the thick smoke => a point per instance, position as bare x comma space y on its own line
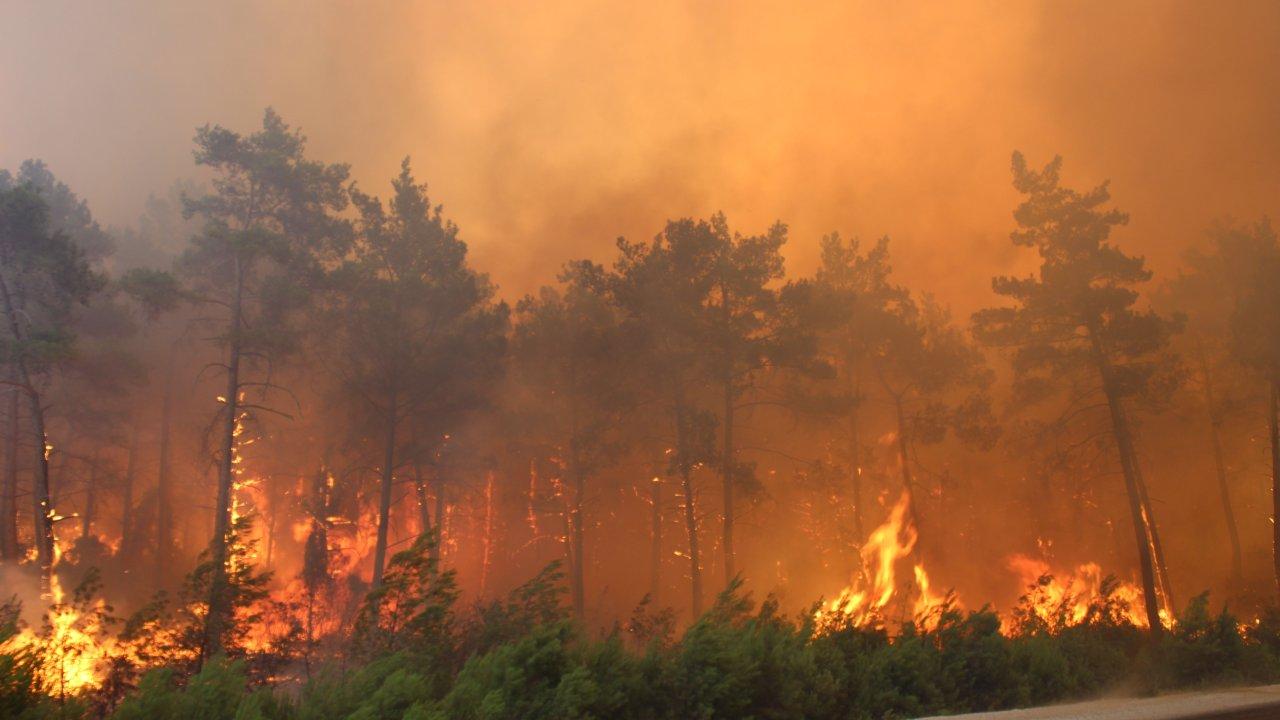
548, 129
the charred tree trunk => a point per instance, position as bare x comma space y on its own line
164, 499
272, 515
219, 597
424, 500
1157, 548
727, 459
1224, 490
90, 500
42, 504
578, 544
727, 473
384, 499
691, 526
1273, 430
684, 464
42, 508
315, 559
9, 495
486, 552
438, 545
855, 453
127, 539
655, 538
904, 459
1128, 466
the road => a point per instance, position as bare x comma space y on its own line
1256, 703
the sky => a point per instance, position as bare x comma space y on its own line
548, 129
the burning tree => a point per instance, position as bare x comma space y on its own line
420, 335
1231, 335
1255, 335
268, 221
1074, 330
570, 351
44, 276
847, 305
663, 288
741, 306
936, 382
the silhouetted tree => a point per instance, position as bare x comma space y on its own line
742, 304
267, 221
849, 306
44, 276
1217, 293
936, 381
663, 287
571, 358
1255, 333
420, 338
1077, 317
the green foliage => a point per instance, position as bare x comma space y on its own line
539, 601
218, 692
412, 610
20, 690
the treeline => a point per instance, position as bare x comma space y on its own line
273, 364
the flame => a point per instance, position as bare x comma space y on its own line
72, 644
1073, 597
865, 600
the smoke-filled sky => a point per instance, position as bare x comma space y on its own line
549, 128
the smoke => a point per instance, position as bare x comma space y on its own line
548, 129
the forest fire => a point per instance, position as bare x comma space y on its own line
725, 368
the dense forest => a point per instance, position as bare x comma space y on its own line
280, 449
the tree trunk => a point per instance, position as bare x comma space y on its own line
1128, 466
855, 454
164, 499
42, 504
655, 539
439, 543
219, 598
727, 473
578, 545
486, 554
1157, 548
9, 496
576, 534
420, 490
384, 500
90, 500
273, 514
1224, 491
908, 482
691, 526
1273, 429
42, 508
727, 467
126, 494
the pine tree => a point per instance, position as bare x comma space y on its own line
420, 337
1074, 325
